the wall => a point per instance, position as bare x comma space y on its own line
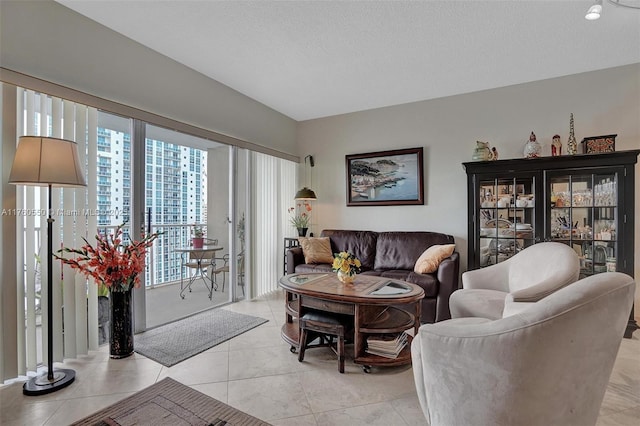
603, 102
46, 40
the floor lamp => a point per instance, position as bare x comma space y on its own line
44, 161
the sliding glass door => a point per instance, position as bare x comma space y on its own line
186, 189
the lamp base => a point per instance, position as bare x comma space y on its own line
41, 385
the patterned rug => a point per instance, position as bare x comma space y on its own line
172, 343
170, 403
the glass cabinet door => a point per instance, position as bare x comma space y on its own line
584, 214
506, 219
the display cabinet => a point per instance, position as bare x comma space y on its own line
584, 201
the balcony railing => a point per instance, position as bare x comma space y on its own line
163, 261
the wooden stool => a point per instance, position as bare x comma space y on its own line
325, 324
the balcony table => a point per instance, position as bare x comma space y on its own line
199, 259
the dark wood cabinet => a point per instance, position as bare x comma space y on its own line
584, 201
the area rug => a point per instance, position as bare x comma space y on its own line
172, 343
170, 403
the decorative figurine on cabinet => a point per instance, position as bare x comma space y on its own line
532, 148
572, 144
556, 146
482, 152
494, 153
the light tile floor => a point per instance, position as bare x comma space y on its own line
256, 373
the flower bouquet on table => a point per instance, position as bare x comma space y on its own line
300, 220
346, 265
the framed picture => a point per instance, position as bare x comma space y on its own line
595, 144
385, 178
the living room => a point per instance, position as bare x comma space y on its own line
602, 99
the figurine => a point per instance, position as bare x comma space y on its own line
572, 144
494, 153
532, 148
556, 146
481, 151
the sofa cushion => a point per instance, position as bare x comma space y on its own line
316, 250
307, 268
431, 258
362, 244
400, 250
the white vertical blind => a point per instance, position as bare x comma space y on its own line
274, 190
92, 222
43, 115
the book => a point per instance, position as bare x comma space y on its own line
386, 345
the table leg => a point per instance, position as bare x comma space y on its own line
358, 343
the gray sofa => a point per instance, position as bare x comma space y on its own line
393, 255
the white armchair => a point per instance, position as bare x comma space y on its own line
547, 365
510, 286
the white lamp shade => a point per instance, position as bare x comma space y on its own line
44, 161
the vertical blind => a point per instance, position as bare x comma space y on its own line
274, 188
74, 211
74, 303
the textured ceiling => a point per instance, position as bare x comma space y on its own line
310, 59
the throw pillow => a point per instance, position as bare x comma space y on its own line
430, 259
316, 250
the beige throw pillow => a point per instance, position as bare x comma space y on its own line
316, 250
430, 259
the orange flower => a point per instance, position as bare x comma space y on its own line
116, 265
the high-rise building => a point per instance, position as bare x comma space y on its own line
175, 193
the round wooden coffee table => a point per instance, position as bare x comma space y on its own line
381, 307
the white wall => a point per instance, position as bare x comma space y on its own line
603, 102
46, 40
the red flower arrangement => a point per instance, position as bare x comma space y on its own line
116, 265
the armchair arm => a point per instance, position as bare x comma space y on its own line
495, 277
294, 258
538, 291
448, 276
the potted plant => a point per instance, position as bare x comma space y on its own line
198, 236
301, 220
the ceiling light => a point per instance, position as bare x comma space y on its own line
594, 11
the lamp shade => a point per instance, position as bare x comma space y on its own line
305, 194
43, 161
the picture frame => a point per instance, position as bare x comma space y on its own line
597, 144
385, 178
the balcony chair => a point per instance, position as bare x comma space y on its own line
220, 266
507, 287
547, 365
224, 269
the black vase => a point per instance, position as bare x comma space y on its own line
302, 232
121, 329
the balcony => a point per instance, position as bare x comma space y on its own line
163, 302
